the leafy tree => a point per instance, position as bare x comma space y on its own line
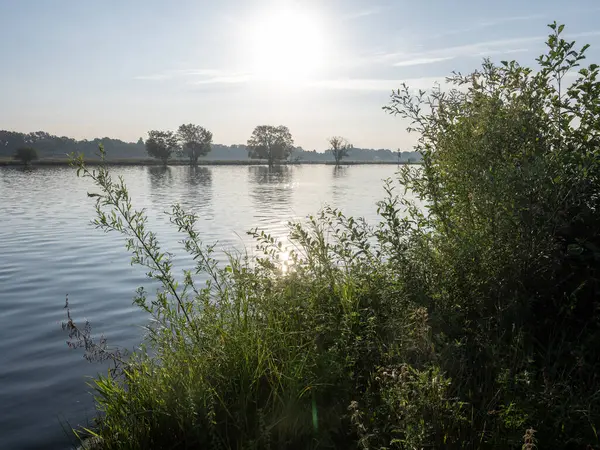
161, 144
339, 148
270, 143
196, 140
26, 154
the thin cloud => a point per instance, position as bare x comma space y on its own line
363, 13
487, 48
505, 46
501, 52
489, 24
499, 46
477, 50
228, 79
198, 76
583, 34
503, 20
422, 61
154, 77
480, 49
358, 84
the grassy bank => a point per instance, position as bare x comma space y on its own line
472, 323
155, 162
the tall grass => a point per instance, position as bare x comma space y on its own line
469, 323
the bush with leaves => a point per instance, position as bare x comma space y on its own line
264, 352
26, 155
507, 256
469, 322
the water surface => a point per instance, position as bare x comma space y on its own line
48, 249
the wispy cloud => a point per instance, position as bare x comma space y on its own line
583, 34
504, 20
363, 13
483, 24
505, 46
223, 79
198, 76
488, 53
421, 61
154, 77
496, 47
361, 84
480, 49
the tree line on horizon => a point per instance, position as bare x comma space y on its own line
47, 145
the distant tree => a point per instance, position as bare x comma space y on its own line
196, 140
140, 142
26, 154
161, 144
270, 143
339, 148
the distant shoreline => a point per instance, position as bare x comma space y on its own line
153, 162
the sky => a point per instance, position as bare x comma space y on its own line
115, 68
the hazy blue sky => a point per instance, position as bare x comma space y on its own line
87, 68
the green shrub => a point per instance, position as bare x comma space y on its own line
469, 322
26, 154
266, 352
506, 260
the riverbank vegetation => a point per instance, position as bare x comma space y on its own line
467, 320
25, 155
55, 148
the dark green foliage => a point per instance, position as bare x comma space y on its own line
26, 154
161, 144
267, 351
507, 259
196, 140
467, 320
270, 143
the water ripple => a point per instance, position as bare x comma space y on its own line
49, 250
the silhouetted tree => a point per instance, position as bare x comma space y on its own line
196, 140
339, 148
161, 144
26, 154
270, 143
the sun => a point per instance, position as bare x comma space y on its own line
286, 45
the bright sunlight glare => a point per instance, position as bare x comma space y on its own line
286, 46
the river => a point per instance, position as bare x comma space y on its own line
48, 249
